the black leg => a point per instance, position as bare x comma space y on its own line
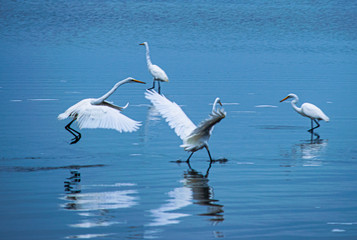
209, 154
318, 125
312, 127
158, 82
188, 159
209, 167
153, 85
73, 132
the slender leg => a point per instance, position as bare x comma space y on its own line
209, 167
318, 125
158, 82
209, 154
312, 127
188, 159
153, 85
72, 131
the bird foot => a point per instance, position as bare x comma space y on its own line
220, 160
75, 140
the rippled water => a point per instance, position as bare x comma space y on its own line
270, 180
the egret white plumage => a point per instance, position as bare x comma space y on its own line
158, 74
98, 113
194, 137
308, 110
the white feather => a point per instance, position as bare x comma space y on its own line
172, 113
99, 116
311, 111
193, 137
158, 73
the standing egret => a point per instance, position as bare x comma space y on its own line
158, 74
98, 113
308, 110
194, 137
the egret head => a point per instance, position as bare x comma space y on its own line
133, 80
218, 100
291, 95
144, 43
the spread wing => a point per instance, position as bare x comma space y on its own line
172, 113
100, 116
206, 126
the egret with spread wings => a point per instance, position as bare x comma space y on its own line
98, 113
308, 110
194, 137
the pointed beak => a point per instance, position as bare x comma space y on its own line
282, 100
141, 44
220, 103
138, 81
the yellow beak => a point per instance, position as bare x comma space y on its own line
138, 81
282, 100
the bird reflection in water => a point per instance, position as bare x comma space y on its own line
195, 190
97, 208
203, 194
310, 151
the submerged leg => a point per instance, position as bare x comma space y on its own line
209, 167
188, 159
209, 154
312, 125
153, 85
73, 132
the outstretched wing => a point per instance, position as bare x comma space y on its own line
206, 126
172, 113
100, 116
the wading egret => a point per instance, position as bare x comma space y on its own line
308, 110
158, 74
98, 113
194, 137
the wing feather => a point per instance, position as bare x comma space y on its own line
172, 113
206, 126
311, 111
100, 116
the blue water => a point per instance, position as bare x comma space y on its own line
271, 180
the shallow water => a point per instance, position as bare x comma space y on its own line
270, 181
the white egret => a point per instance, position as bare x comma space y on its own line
308, 110
194, 137
158, 74
98, 113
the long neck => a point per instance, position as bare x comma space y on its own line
148, 60
293, 104
215, 104
111, 91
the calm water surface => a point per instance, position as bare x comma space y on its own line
270, 181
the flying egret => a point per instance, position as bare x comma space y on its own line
308, 110
194, 137
158, 74
98, 113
